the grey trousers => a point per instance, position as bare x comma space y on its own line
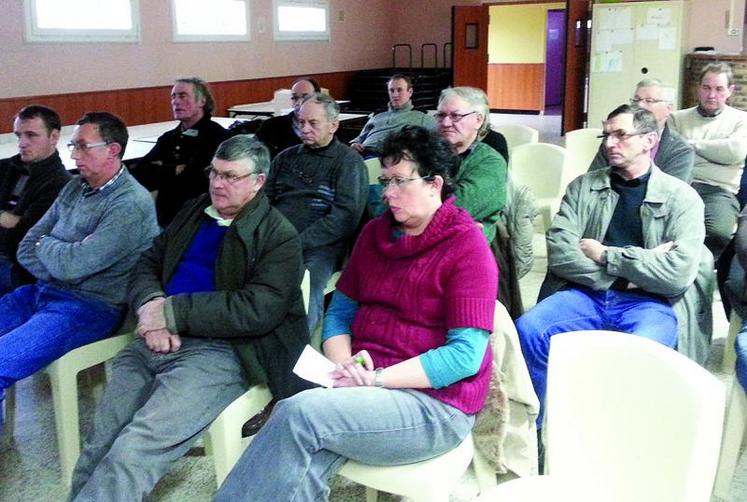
721, 211
152, 411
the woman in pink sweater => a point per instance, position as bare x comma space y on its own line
408, 328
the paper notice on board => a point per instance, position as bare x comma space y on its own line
606, 18
603, 41
623, 18
607, 62
623, 37
667, 39
659, 15
647, 32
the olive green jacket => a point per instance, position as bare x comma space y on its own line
257, 304
671, 211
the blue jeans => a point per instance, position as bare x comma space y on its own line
741, 348
581, 309
311, 434
152, 411
8, 281
40, 323
321, 264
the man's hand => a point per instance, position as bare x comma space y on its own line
180, 169
150, 316
8, 220
357, 147
594, 250
162, 341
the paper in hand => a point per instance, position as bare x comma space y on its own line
314, 367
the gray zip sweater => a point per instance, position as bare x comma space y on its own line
88, 243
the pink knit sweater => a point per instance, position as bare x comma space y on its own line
413, 289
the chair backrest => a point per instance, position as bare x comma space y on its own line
517, 135
540, 167
631, 419
373, 166
582, 146
281, 100
306, 289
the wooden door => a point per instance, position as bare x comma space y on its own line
578, 15
469, 33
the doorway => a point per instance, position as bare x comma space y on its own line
554, 61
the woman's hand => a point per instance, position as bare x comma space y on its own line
355, 371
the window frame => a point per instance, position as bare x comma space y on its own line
33, 33
178, 38
301, 35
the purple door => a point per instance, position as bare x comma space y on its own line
554, 58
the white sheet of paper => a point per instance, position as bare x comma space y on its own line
667, 39
314, 367
647, 32
659, 15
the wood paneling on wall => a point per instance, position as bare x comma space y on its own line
516, 86
152, 104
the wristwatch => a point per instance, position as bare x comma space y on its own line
379, 377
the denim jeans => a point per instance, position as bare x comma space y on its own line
8, 281
40, 323
311, 434
152, 411
321, 264
581, 309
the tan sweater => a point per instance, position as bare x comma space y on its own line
720, 144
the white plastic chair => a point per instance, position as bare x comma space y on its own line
540, 167
432, 480
517, 135
373, 166
582, 146
627, 420
736, 416
281, 100
223, 438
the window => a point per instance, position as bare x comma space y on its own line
82, 21
214, 21
301, 20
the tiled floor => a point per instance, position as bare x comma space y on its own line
29, 468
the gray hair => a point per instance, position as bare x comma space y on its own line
667, 91
331, 108
245, 148
717, 68
202, 90
475, 98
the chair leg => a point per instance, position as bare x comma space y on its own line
372, 494
10, 411
729, 360
64, 382
734, 433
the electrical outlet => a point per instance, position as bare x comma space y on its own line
341, 16
734, 32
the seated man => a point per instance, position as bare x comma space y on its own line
219, 305
29, 183
81, 251
718, 134
321, 187
671, 154
279, 133
623, 249
175, 166
400, 114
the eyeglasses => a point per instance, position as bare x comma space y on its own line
398, 181
648, 101
454, 117
621, 135
228, 178
84, 147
